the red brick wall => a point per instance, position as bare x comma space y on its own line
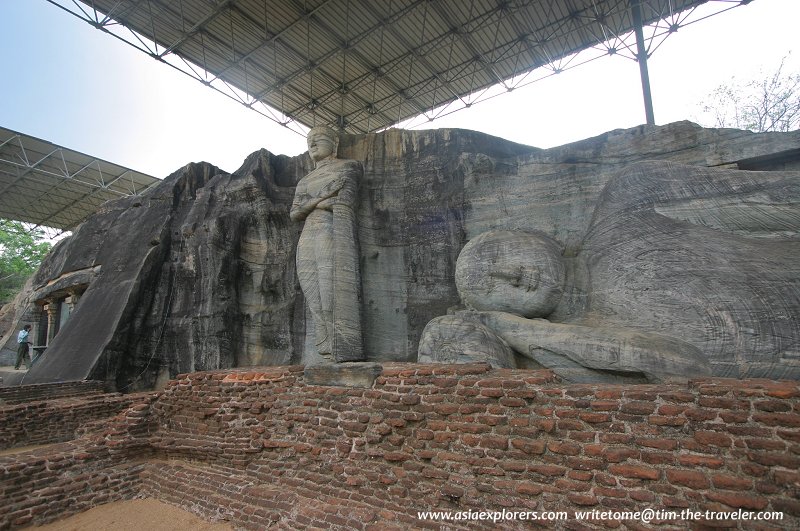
28, 393
464, 438
63, 419
36, 488
262, 447
103, 465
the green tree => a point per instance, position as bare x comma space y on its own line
21, 252
768, 104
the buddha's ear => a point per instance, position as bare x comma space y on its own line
534, 275
336, 145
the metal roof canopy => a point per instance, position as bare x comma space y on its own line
363, 66
52, 186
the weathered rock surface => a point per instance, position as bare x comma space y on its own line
682, 267
345, 374
199, 273
196, 274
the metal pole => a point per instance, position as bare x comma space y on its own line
641, 57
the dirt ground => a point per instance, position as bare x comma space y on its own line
134, 515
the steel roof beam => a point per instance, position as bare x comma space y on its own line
272, 40
641, 56
467, 40
344, 48
414, 54
487, 49
336, 51
200, 26
60, 176
287, 46
48, 184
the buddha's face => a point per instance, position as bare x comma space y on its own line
321, 145
514, 272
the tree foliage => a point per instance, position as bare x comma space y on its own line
768, 104
21, 252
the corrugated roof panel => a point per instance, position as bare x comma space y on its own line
46, 184
403, 56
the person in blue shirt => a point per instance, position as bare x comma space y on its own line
22, 348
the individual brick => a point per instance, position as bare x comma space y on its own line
688, 478
634, 471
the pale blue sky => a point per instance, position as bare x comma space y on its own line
68, 83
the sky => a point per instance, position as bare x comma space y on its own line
75, 86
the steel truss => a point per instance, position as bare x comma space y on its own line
364, 66
51, 186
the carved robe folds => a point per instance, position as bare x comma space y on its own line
327, 256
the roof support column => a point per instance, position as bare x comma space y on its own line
641, 57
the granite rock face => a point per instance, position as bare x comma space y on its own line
196, 274
199, 273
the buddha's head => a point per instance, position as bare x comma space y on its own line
511, 271
323, 143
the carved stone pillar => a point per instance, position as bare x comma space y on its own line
72, 300
52, 319
36, 326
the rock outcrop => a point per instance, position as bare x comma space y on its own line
199, 272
